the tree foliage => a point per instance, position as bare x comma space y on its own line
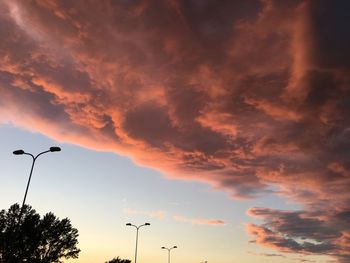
119, 260
26, 237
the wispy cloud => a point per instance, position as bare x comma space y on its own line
154, 214
266, 254
199, 221
300, 259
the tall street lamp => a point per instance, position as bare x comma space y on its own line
137, 234
169, 249
21, 152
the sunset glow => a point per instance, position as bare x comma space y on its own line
229, 119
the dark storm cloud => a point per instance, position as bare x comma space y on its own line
240, 94
299, 231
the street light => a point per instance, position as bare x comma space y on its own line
137, 234
21, 152
169, 249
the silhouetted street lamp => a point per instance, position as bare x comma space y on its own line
137, 234
169, 249
21, 152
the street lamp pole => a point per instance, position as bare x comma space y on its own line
137, 235
169, 249
21, 152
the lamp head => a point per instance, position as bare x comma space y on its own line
162, 247
147, 224
128, 224
18, 152
55, 149
174, 246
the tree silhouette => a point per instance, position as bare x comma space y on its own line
25, 237
119, 260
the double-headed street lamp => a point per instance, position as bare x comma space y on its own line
137, 235
169, 249
21, 152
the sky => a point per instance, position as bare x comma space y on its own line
225, 124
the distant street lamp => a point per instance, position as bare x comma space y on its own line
169, 249
21, 152
137, 234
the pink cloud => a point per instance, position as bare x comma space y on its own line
199, 221
241, 95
